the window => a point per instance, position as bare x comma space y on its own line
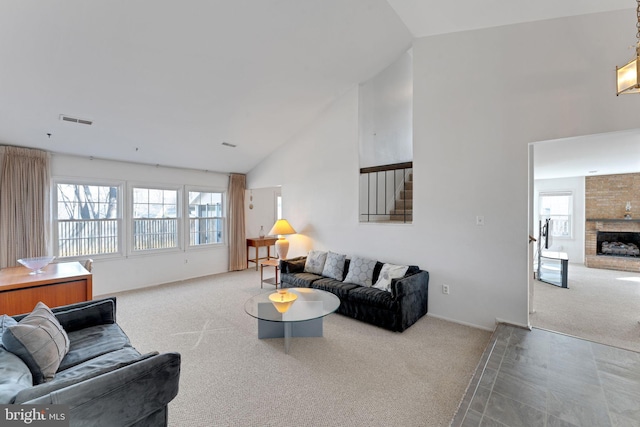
278, 207
155, 219
87, 219
558, 206
205, 218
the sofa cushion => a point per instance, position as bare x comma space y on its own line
315, 262
336, 287
369, 296
299, 280
79, 316
92, 342
14, 376
334, 266
360, 271
40, 341
388, 273
84, 371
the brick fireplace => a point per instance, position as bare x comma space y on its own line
606, 198
593, 253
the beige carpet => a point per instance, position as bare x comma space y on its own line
599, 305
356, 375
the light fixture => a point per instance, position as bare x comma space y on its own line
282, 300
280, 228
628, 76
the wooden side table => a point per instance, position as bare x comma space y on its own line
258, 242
271, 280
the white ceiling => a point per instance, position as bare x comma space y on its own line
431, 17
166, 82
601, 154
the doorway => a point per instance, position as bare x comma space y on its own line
599, 305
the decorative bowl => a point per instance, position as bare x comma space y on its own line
282, 300
36, 264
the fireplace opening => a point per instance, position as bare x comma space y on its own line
622, 244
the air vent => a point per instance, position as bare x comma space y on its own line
65, 118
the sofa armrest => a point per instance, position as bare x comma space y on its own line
292, 265
120, 397
408, 285
412, 294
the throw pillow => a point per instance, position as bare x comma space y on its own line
360, 271
40, 341
334, 266
5, 322
389, 272
315, 262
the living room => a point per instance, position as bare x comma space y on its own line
481, 95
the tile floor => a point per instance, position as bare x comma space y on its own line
542, 378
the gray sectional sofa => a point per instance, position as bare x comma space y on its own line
395, 309
103, 379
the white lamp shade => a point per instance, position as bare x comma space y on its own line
281, 227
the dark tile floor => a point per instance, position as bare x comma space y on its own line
542, 378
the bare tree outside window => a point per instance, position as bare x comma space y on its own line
87, 218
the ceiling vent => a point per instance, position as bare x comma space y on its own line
66, 118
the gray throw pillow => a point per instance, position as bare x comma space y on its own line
360, 271
5, 322
334, 266
315, 262
40, 341
388, 273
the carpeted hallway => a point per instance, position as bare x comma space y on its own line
356, 375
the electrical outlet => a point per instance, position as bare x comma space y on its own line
445, 289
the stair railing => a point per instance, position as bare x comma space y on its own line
380, 187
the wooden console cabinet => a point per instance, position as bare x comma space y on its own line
58, 284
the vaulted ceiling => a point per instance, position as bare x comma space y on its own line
167, 82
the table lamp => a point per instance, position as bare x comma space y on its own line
280, 228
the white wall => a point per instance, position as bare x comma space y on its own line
118, 273
574, 246
263, 214
480, 97
385, 115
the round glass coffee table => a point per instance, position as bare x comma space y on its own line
298, 313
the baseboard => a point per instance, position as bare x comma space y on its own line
472, 325
517, 325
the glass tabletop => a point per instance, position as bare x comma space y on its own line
308, 304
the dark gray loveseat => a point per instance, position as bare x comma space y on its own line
103, 379
395, 310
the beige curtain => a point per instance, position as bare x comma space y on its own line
24, 204
237, 234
